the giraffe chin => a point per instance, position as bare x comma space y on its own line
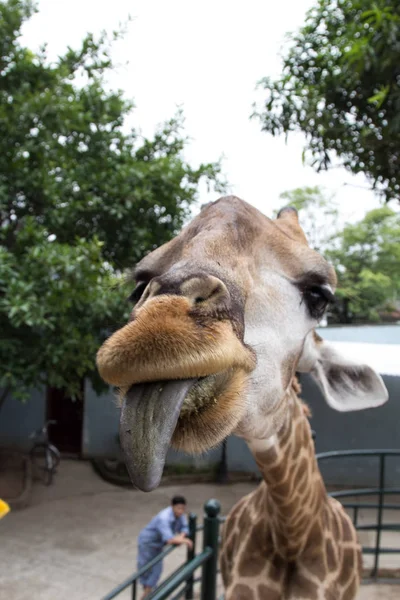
211, 411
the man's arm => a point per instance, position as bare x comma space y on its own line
178, 539
169, 537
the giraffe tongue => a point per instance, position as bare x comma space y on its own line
149, 415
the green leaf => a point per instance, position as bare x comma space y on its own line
380, 97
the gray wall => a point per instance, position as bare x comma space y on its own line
239, 456
100, 424
376, 428
18, 420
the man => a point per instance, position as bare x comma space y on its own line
170, 526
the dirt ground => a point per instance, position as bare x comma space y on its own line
77, 539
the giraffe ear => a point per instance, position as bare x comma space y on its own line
346, 385
288, 221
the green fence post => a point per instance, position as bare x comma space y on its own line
191, 553
210, 540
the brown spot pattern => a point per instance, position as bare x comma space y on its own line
348, 531
293, 504
241, 592
277, 568
331, 556
267, 593
244, 521
253, 558
348, 564
332, 594
303, 587
351, 589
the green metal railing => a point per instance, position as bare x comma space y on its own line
380, 491
207, 559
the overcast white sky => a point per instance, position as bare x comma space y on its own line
206, 57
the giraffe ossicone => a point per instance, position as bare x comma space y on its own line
224, 318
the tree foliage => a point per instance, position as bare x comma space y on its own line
81, 199
340, 85
367, 257
55, 304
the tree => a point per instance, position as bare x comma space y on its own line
317, 214
55, 305
340, 85
81, 199
367, 258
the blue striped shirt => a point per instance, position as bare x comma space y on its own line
162, 528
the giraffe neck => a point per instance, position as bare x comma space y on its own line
294, 494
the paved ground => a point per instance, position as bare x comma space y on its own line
77, 539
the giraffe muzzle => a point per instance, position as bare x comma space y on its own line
149, 415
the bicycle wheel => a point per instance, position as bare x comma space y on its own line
39, 461
56, 456
52, 462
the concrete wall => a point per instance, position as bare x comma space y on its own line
362, 430
239, 456
100, 424
18, 420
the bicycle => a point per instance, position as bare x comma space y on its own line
44, 455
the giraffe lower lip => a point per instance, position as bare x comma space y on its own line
149, 415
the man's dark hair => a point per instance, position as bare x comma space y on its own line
178, 500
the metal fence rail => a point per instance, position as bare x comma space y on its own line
380, 491
170, 584
132, 580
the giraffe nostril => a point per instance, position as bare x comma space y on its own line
204, 290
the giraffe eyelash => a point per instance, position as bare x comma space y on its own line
317, 298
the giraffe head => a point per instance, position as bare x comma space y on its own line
224, 316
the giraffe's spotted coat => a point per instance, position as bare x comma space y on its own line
288, 540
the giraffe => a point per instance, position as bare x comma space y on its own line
307, 547
224, 316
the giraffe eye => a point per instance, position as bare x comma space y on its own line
138, 292
317, 298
